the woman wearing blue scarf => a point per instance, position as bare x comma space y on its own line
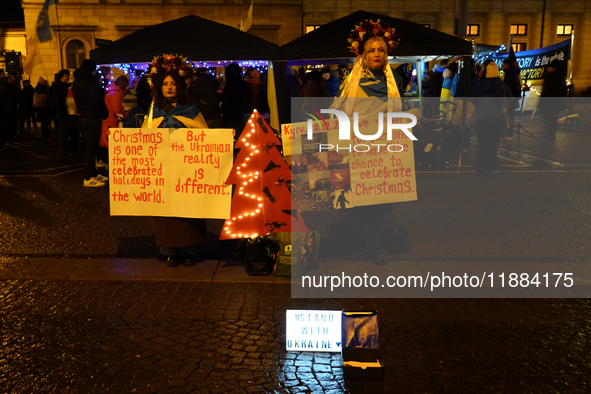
371, 77
181, 240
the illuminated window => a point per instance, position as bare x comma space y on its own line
75, 54
518, 47
473, 30
519, 30
310, 28
564, 30
427, 25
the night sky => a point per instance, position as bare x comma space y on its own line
11, 11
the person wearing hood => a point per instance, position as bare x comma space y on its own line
90, 104
40, 104
490, 119
114, 102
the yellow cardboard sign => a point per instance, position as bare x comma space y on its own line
332, 173
156, 172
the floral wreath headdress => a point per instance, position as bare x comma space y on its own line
359, 35
165, 63
368, 29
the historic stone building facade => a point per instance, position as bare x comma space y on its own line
79, 23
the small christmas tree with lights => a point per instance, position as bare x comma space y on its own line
262, 203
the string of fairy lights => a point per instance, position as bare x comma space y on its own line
215, 68
478, 58
248, 178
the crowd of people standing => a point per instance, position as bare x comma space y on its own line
224, 102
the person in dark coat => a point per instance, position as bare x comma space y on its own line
181, 240
490, 120
235, 99
28, 92
256, 91
57, 104
293, 87
460, 137
8, 108
21, 103
430, 93
554, 87
315, 87
90, 104
203, 93
405, 74
144, 93
40, 104
511, 76
333, 83
438, 77
512, 80
472, 84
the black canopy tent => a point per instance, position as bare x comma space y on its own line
196, 38
329, 43
417, 42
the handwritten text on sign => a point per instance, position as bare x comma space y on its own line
313, 330
154, 172
350, 173
380, 175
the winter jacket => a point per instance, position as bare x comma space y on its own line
255, 89
88, 95
29, 93
448, 77
472, 89
114, 103
438, 78
4, 95
430, 88
57, 97
332, 85
314, 88
554, 85
236, 95
40, 95
491, 101
511, 79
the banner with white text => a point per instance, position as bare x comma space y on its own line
533, 63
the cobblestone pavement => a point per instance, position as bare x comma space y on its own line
165, 337
207, 336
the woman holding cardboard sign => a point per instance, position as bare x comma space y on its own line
181, 240
371, 76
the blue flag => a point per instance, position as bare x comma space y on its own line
43, 29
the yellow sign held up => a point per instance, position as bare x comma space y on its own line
153, 172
